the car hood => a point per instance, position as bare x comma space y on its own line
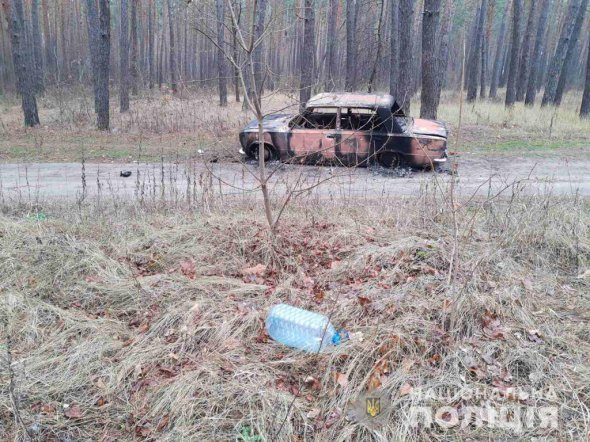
429, 127
274, 122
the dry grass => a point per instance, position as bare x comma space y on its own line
104, 315
161, 124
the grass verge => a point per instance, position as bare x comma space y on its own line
147, 323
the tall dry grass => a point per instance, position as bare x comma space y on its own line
139, 321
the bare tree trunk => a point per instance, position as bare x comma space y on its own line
394, 49
23, 64
484, 60
523, 71
350, 45
379, 45
569, 56
585, 107
171, 45
124, 57
331, 36
536, 60
150, 54
49, 42
134, 70
220, 55
429, 60
237, 7
259, 74
475, 54
514, 53
99, 40
406, 19
37, 47
558, 59
443, 59
308, 61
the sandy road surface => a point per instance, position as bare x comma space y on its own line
477, 174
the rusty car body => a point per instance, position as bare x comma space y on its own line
349, 129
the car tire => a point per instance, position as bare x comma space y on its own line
268, 152
390, 160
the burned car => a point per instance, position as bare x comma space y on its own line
349, 129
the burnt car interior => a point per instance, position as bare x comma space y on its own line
338, 118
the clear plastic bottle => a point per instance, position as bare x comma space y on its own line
302, 329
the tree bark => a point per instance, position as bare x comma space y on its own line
37, 47
474, 64
379, 45
569, 56
150, 50
50, 60
429, 60
124, 57
443, 59
172, 49
134, 68
331, 37
23, 64
99, 40
350, 45
258, 55
308, 60
406, 15
523, 71
531, 91
514, 53
585, 107
237, 5
394, 49
558, 59
220, 55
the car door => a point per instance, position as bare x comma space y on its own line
361, 132
312, 140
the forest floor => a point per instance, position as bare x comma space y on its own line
141, 321
160, 125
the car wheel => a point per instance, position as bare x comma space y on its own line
391, 160
268, 152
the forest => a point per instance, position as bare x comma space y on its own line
513, 51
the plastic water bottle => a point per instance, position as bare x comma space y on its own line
302, 329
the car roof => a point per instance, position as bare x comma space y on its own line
350, 99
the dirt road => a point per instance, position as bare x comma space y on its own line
477, 174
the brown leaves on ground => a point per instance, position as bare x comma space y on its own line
341, 379
73, 411
188, 269
254, 274
492, 328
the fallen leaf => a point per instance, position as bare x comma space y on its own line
405, 389
188, 269
374, 382
363, 300
163, 422
313, 413
257, 270
73, 411
342, 380
93, 279
47, 409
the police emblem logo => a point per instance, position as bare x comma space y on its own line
373, 406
